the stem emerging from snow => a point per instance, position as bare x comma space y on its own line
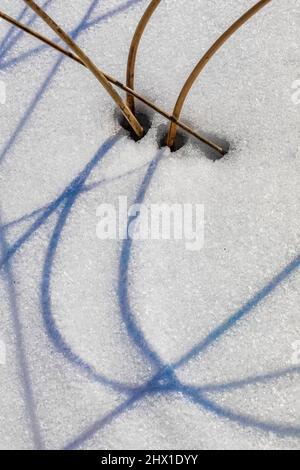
117, 83
204, 61
137, 128
134, 49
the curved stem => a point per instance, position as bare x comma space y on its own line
204, 61
134, 49
90, 65
118, 84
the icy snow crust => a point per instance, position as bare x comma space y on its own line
146, 345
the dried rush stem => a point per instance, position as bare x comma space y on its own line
137, 128
204, 61
117, 83
134, 49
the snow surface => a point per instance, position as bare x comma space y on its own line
114, 346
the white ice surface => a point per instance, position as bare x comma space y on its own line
240, 391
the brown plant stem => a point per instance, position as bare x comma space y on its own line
130, 80
204, 61
112, 80
137, 128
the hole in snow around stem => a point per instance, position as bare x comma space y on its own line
143, 119
182, 138
162, 134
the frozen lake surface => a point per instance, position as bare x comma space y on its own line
130, 344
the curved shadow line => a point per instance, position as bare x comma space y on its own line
24, 374
36, 50
38, 96
19, 34
208, 401
247, 308
85, 189
13, 249
237, 384
45, 295
68, 198
26, 217
105, 421
8, 35
282, 276
152, 387
22, 57
123, 295
24, 119
53, 206
243, 420
46, 211
117, 10
86, 60
65, 194
191, 393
